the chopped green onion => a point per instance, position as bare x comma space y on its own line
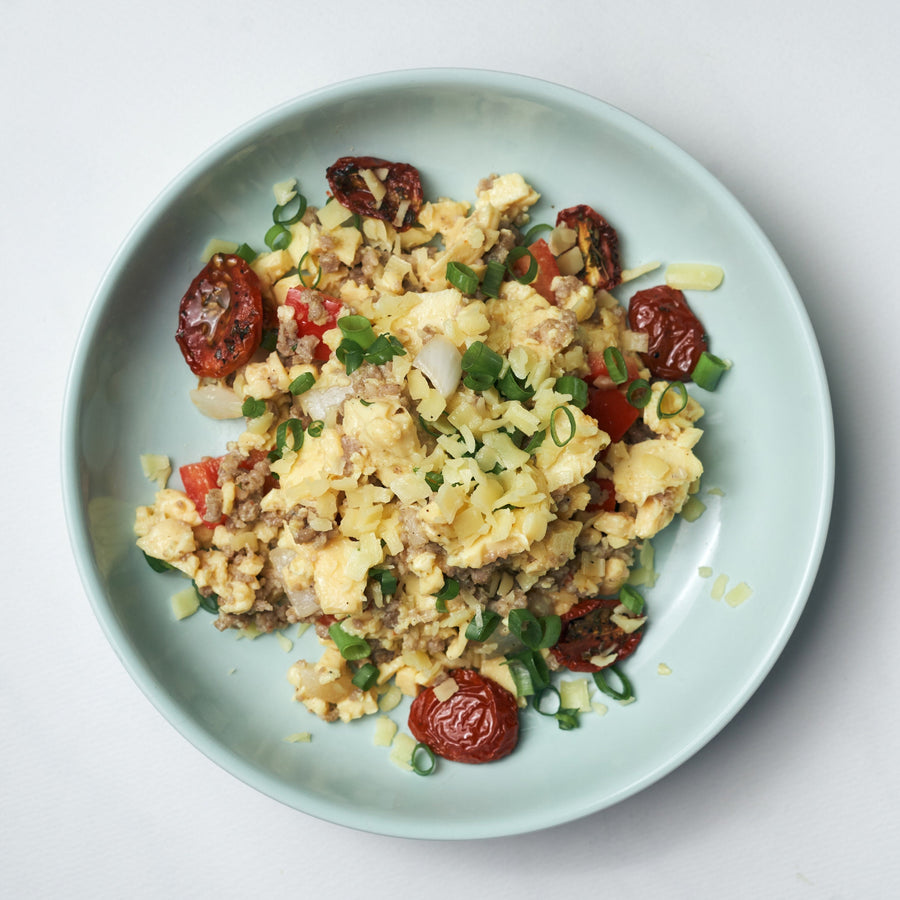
384, 348
253, 408
538, 701
575, 387
536, 440
514, 256
631, 599
461, 277
551, 628
708, 371
246, 253
357, 329
350, 354
386, 579
681, 399
639, 393
302, 383
283, 214
429, 753
210, 603
301, 270
295, 426
615, 365
434, 480
512, 388
481, 365
351, 646
158, 565
269, 339
523, 624
366, 677
625, 693
531, 235
493, 278
529, 671
483, 629
449, 590
315, 428
572, 427
277, 237
567, 719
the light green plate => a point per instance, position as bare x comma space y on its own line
769, 448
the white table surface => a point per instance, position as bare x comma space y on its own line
792, 105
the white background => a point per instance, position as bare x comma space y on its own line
792, 105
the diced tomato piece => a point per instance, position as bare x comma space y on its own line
199, 479
548, 269
600, 374
614, 414
298, 300
608, 504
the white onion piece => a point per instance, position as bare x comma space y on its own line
317, 403
282, 557
216, 401
304, 602
441, 363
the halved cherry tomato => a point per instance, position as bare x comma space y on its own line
548, 269
614, 414
478, 723
199, 478
220, 318
587, 633
599, 245
298, 300
403, 189
676, 335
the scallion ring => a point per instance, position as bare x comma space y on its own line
681, 399
625, 693
493, 278
482, 625
357, 329
482, 366
567, 719
429, 753
246, 253
315, 428
290, 212
351, 646
462, 277
449, 590
301, 271
366, 677
575, 387
302, 383
295, 426
538, 701
572, 426
551, 629
615, 365
523, 624
386, 579
514, 256
631, 599
536, 440
277, 237
639, 393
350, 354
531, 235
252, 408
512, 388
708, 371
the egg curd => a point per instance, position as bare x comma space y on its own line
406, 479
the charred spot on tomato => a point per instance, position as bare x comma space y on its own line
378, 189
589, 634
220, 317
599, 245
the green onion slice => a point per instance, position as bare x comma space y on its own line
449, 590
554, 433
302, 383
384, 348
626, 692
529, 671
514, 256
512, 388
315, 428
351, 646
567, 719
253, 408
366, 677
357, 329
680, 396
575, 387
493, 278
536, 440
418, 768
639, 393
461, 277
481, 627
350, 354
295, 426
631, 599
290, 212
277, 237
481, 365
615, 365
246, 253
301, 271
269, 339
434, 480
531, 235
386, 579
708, 371
539, 697
523, 624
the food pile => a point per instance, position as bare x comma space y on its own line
456, 441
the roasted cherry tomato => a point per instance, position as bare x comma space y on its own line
548, 269
676, 335
402, 185
614, 414
599, 245
587, 633
299, 300
221, 317
478, 723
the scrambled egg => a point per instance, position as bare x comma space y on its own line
425, 484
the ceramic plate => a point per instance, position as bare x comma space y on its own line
128, 395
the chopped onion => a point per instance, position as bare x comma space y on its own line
317, 403
441, 363
217, 401
304, 602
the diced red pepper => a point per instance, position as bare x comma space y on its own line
614, 414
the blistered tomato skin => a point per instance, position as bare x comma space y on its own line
588, 632
402, 183
599, 245
676, 335
220, 318
479, 723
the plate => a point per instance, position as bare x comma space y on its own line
768, 454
